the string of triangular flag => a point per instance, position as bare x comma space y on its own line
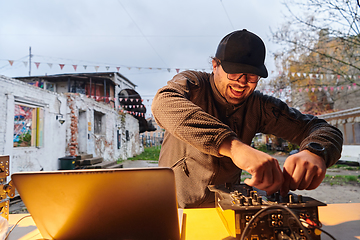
323, 75
325, 88
97, 67
122, 107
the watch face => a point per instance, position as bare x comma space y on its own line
316, 146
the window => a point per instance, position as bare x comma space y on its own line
28, 126
99, 122
357, 132
50, 86
349, 133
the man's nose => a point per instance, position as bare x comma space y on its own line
243, 79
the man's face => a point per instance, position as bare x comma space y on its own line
234, 92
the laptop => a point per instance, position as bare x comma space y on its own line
137, 203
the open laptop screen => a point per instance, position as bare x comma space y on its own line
102, 203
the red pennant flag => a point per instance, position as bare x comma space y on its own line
37, 65
118, 68
177, 70
61, 66
74, 66
11, 62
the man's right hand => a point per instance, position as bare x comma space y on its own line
265, 170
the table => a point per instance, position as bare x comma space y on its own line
341, 220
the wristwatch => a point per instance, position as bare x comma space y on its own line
316, 148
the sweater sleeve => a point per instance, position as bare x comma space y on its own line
176, 113
302, 129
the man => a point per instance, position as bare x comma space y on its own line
210, 120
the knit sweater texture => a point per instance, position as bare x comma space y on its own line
197, 119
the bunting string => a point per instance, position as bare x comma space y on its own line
324, 88
99, 67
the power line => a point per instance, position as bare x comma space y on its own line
142, 33
227, 15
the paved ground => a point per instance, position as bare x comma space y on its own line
324, 193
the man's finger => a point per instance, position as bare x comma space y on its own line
296, 178
287, 172
308, 178
278, 180
268, 178
255, 179
317, 179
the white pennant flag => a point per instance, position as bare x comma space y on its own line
25, 63
50, 65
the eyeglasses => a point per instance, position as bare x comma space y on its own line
250, 78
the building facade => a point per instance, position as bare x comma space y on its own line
38, 124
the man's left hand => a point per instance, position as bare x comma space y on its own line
303, 170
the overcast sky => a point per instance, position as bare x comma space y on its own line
149, 40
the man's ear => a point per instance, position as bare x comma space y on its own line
214, 65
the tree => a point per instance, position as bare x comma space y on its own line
320, 53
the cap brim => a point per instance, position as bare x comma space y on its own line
230, 67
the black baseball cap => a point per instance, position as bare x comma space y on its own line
242, 52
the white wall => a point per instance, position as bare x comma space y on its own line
58, 137
102, 144
31, 158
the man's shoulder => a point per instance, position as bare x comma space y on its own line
194, 77
259, 96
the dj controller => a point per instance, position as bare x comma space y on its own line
249, 214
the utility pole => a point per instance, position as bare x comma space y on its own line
30, 61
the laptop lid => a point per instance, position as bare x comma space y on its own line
101, 203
